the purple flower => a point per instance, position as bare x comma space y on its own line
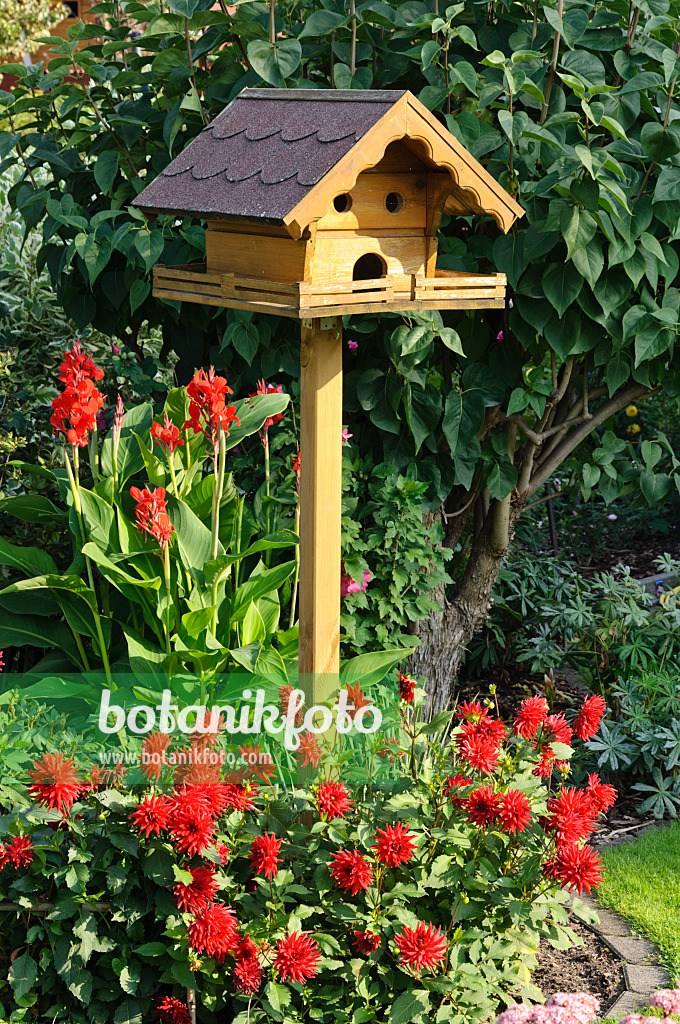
352, 345
346, 435
115, 351
499, 336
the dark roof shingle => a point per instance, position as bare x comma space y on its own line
262, 155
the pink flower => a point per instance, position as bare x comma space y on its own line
612, 516
352, 345
346, 435
499, 336
115, 351
666, 999
350, 586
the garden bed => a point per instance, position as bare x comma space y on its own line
590, 968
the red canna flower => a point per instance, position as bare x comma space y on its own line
587, 722
531, 714
167, 436
151, 514
351, 871
333, 800
213, 931
309, 751
296, 467
268, 389
422, 947
264, 854
366, 942
20, 851
395, 845
483, 806
74, 412
297, 956
152, 815
200, 892
77, 366
208, 411
56, 782
173, 1011
152, 754
576, 867
515, 811
407, 688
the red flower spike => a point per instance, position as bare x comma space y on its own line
199, 893
264, 853
208, 411
56, 782
151, 514
297, 956
213, 931
351, 871
394, 845
587, 722
333, 800
407, 688
167, 436
422, 947
172, 1010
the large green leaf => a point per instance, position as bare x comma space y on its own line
129, 461
31, 508
257, 586
29, 630
274, 62
194, 540
372, 667
31, 561
252, 413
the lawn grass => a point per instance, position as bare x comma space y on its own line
642, 883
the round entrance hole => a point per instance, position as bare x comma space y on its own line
368, 267
343, 202
394, 202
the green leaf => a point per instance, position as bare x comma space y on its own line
423, 409
257, 586
589, 261
31, 508
321, 23
194, 539
561, 285
252, 412
502, 479
149, 244
128, 1010
278, 996
105, 170
30, 561
654, 486
660, 143
274, 62
139, 290
372, 667
23, 975
453, 414
20, 630
409, 1006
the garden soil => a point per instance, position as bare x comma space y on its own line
590, 968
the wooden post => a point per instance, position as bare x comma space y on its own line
320, 506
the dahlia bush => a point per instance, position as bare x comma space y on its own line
416, 894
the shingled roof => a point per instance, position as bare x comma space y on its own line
266, 155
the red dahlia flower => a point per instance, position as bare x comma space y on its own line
601, 794
192, 828
483, 806
213, 931
357, 698
151, 514
309, 751
208, 411
587, 722
422, 947
56, 782
451, 787
264, 853
576, 867
222, 851
366, 942
4, 856
515, 811
200, 892
471, 712
152, 815
407, 688
173, 1011
395, 845
239, 797
152, 755
167, 436
351, 871
544, 767
258, 762
559, 727
531, 714
297, 957
333, 800
20, 851
479, 751
247, 972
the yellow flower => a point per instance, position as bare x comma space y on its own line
631, 411
634, 428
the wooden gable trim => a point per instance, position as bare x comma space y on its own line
474, 189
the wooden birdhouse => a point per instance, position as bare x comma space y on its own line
321, 202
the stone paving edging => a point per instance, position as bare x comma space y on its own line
642, 974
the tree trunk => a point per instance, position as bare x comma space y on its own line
445, 635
